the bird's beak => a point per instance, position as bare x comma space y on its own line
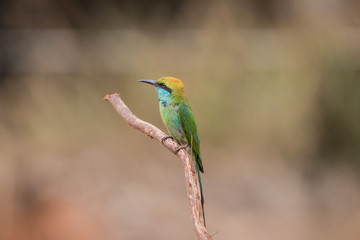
152, 82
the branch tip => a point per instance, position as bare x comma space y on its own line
107, 97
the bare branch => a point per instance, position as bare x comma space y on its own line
187, 162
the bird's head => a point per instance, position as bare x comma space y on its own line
167, 86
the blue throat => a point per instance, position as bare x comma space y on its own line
164, 96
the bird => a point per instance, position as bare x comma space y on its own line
178, 118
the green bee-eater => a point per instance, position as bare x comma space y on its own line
179, 120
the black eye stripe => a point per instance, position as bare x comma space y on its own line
163, 86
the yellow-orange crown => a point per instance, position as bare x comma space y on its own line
172, 83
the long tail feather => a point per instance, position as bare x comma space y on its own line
201, 192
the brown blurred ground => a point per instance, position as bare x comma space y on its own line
274, 86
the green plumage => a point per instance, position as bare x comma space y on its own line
179, 120
189, 126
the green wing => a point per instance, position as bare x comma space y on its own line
189, 126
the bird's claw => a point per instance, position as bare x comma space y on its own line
181, 147
166, 137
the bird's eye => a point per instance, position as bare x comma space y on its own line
163, 85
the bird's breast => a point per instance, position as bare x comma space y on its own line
170, 116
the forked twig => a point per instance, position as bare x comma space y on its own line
191, 180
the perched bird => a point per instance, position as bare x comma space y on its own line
178, 118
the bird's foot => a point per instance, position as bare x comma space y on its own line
166, 137
181, 147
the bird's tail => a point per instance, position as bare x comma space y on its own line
201, 191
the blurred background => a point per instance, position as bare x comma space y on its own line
274, 86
